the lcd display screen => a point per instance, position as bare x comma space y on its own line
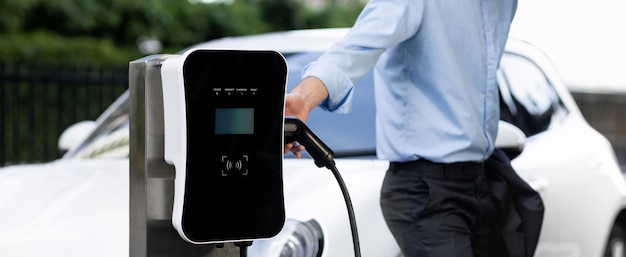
234, 121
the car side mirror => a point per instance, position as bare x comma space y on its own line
510, 139
75, 134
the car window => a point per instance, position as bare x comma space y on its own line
527, 98
350, 134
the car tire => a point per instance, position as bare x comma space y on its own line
616, 245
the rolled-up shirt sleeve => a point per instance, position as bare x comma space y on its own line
382, 24
339, 86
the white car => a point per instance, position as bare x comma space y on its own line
78, 205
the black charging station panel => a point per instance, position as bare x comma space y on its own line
235, 111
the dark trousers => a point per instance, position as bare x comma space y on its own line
438, 210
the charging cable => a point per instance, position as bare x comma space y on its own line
296, 130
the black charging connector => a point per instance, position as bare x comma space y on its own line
323, 156
296, 130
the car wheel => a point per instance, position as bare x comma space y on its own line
616, 246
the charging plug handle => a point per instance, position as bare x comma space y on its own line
297, 131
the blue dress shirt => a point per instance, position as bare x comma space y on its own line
434, 64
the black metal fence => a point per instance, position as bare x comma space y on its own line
39, 101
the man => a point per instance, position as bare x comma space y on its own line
435, 65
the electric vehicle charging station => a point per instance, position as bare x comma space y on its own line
206, 149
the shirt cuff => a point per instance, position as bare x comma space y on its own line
339, 86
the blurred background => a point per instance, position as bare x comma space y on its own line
63, 61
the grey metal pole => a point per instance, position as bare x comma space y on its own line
151, 178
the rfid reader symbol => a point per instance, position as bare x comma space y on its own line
236, 166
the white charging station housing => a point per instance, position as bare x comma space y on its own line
223, 126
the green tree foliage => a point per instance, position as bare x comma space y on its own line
107, 32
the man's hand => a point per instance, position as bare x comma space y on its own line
294, 106
309, 93
295, 148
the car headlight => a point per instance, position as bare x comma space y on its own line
296, 239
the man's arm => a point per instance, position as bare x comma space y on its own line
303, 98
